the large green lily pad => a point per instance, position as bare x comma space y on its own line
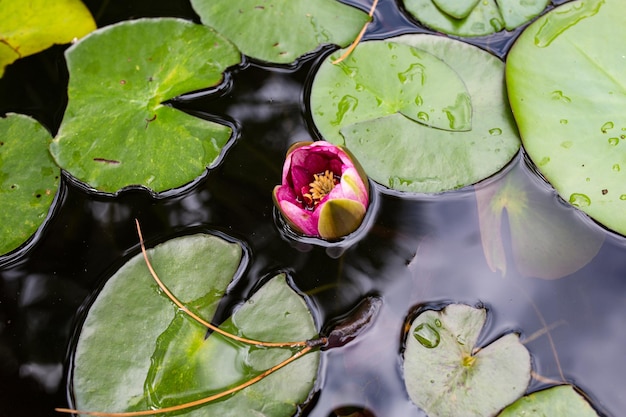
406, 155
446, 374
562, 400
474, 18
116, 131
574, 126
28, 27
29, 179
280, 31
137, 350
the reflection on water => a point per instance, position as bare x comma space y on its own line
418, 250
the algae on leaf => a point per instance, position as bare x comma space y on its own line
28, 27
29, 179
117, 130
573, 123
280, 31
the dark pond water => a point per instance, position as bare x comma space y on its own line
416, 251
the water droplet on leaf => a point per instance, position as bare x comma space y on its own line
606, 127
579, 200
427, 335
495, 131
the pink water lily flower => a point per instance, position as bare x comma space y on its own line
324, 191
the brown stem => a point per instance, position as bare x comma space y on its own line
196, 403
200, 320
359, 36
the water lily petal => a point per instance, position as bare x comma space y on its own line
301, 220
339, 218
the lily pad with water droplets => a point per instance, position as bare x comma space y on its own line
117, 130
404, 155
29, 179
574, 127
280, 31
472, 18
137, 350
28, 27
383, 78
562, 400
446, 374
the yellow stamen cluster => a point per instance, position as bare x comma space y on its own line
320, 187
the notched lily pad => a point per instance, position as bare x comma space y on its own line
574, 127
403, 154
446, 374
116, 131
562, 400
474, 18
30, 27
138, 351
29, 179
280, 31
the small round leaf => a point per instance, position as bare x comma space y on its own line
562, 400
447, 375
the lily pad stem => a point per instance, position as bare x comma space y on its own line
193, 403
200, 320
359, 36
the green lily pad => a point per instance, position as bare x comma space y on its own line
30, 27
574, 127
459, 9
407, 156
547, 240
116, 131
29, 179
280, 31
447, 375
483, 18
137, 350
562, 400
383, 78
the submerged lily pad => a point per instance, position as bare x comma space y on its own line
548, 240
474, 18
574, 127
28, 27
562, 400
137, 350
116, 130
280, 31
446, 374
29, 179
405, 155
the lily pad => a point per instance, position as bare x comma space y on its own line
446, 374
574, 127
470, 18
116, 130
407, 156
548, 240
280, 31
30, 27
562, 400
29, 179
137, 350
